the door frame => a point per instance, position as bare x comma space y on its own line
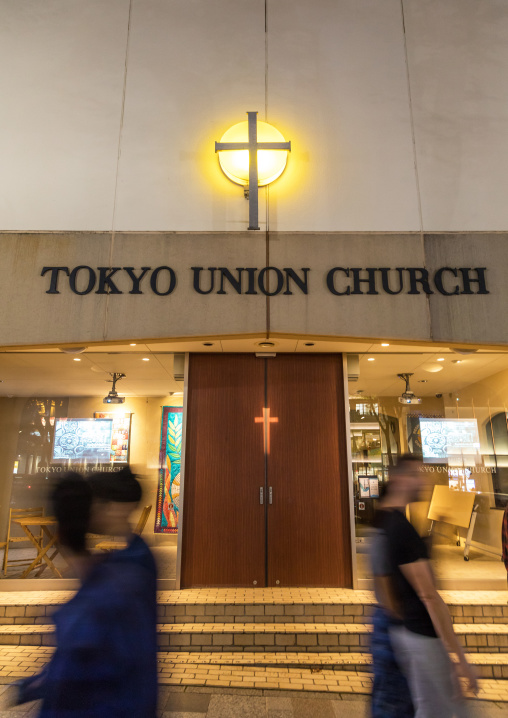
349, 459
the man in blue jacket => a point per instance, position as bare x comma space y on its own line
105, 663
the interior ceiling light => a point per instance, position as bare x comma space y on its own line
76, 359
266, 345
371, 359
385, 345
456, 361
132, 345
208, 344
441, 359
464, 350
309, 344
145, 359
408, 396
432, 368
72, 350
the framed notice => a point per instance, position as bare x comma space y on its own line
120, 435
374, 488
364, 482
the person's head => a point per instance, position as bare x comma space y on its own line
406, 477
71, 500
115, 496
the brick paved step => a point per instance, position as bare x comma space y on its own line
261, 606
322, 672
270, 637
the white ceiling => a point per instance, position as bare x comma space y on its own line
53, 372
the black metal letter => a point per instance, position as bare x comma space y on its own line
480, 280
197, 272
106, 284
154, 277
235, 283
357, 280
53, 285
331, 284
438, 281
261, 281
385, 280
418, 275
251, 286
136, 281
73, 276
302, 284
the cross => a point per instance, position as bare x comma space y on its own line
253, 146
266, 420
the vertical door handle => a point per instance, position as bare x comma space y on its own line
270, 495
261, 495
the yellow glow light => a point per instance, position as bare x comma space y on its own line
235, 163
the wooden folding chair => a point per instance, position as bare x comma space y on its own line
13, 515
115, 545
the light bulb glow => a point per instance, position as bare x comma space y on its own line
235, 163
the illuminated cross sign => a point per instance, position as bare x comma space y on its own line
266, 420
252, 145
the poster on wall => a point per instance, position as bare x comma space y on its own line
168, 491
374, 488
120, 435
364, 482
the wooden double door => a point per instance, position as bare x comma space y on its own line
266, 489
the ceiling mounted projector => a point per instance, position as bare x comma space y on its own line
112, 397
408, 396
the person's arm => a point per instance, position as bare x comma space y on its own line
419, 574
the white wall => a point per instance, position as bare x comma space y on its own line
331, 74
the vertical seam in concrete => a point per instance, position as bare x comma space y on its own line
118, 155
267, 190
415, 156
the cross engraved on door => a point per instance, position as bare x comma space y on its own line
266, 420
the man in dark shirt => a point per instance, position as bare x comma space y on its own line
426, 638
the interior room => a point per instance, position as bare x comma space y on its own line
448, 404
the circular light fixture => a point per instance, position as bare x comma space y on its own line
309, 344
385, 345
371, 359
208, 344
146, 359
132, 345
456, 361
235, 163
422, 381
76, 359
266, 345
441, 359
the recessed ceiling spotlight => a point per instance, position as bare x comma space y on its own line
76, 359
309, 344
385, 345
371, 359
132, 345
422, 381
145, 359
266, 345
457, 361
208, 344
441, 359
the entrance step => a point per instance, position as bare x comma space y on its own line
319, 672
269, 637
